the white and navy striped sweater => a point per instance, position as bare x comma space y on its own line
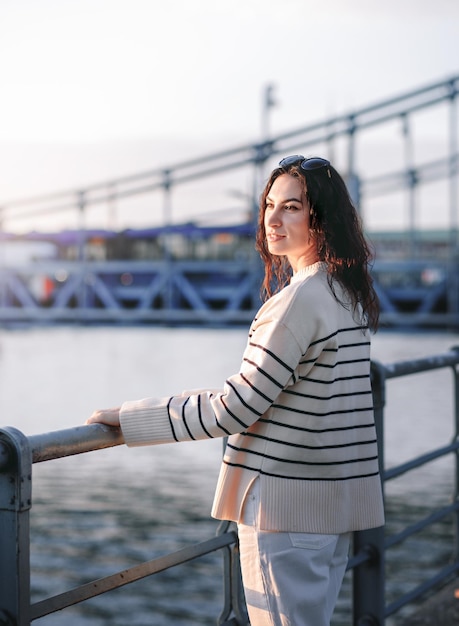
298, 416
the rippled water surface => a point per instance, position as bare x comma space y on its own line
102, 512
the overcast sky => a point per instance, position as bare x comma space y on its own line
98, 88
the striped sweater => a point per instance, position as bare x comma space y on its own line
298, 416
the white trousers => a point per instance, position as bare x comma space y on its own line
290, 579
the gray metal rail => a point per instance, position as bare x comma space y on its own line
18, 453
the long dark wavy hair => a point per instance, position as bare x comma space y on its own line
337, 230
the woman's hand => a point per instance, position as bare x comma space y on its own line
111, 417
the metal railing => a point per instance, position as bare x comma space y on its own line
382, 542
18, 452
323, 134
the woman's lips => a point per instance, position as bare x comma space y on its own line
273, 237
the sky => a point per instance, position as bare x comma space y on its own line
94, 89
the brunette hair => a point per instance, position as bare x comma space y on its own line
337, 230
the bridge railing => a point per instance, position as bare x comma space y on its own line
326, 136
18, 453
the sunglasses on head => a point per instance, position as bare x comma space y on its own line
314, 163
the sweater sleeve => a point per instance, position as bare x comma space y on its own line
269, 360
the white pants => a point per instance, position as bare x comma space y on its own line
290, 579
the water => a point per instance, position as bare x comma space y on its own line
102, 512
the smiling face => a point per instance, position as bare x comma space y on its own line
286, 222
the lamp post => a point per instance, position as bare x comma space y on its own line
267, 104
264, 148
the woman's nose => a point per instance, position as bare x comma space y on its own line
273, 218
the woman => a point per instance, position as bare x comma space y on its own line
300, 469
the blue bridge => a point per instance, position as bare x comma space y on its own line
201, 273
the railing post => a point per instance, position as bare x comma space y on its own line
234, 611
456, 454
369, 578
15, 503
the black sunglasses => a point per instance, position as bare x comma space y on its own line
314, 163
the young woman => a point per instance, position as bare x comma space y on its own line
300, 469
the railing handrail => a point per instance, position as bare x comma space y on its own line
423, 364
66, 442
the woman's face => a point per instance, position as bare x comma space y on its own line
286, 223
